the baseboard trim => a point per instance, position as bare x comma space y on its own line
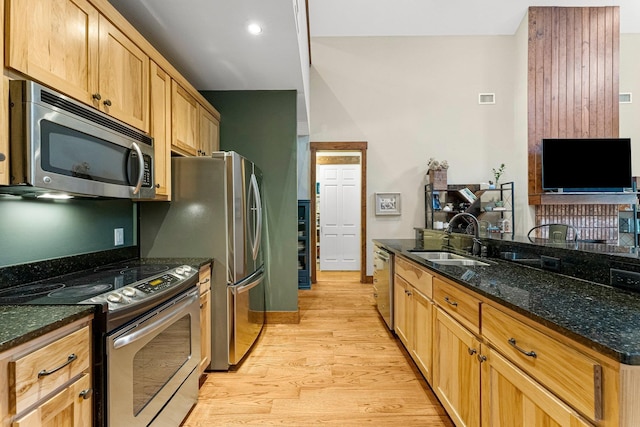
289, 317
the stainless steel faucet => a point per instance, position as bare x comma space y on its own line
476, 249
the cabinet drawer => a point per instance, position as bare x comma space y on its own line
570, 374
462, 306
36, 374
416, 275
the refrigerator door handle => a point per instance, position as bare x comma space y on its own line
239, 289
257, 237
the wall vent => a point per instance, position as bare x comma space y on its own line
625, 98
486, 98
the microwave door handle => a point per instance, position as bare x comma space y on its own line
136, 190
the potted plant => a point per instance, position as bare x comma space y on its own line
497, 173
437, 173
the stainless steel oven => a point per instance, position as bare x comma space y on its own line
150, 361
146, 336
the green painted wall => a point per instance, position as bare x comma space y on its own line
261, 125
36, 230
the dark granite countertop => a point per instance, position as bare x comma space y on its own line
22, 323
601, 317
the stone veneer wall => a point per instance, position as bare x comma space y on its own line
598, 222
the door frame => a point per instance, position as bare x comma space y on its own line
360, 146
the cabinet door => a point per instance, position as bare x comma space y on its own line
511, 398
402, 309
4, 133
456, 370
56, 43
70, 407
209, 130
422, 349
123, 77
205, 331
184, 121
161, 130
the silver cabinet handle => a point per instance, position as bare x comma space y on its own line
45, 372
107, 102
448, 301
96, 96
86, 393
2, 157
531, 353
482, 358
472, 351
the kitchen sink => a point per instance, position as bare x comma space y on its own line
458, 261
447, 258
432, 256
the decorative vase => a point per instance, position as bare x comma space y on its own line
438, 178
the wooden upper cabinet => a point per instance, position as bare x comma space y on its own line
55, 42
209, 132
160, 129
124, 77
184, 121
69, 46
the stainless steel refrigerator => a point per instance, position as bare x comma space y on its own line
216, 211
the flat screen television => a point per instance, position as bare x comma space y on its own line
586, 164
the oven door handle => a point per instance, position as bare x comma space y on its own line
176, 310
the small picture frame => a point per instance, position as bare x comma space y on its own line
467, 194
387, 203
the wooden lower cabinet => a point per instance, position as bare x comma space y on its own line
511, 398
401, 307
456, 370
72, 406
47, 381
477, 356
413, 320
422, 345
205, 317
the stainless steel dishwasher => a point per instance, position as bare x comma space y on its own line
383, 283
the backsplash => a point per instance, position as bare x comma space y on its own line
594, 222
37, 230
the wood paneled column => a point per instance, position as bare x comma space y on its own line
573, 81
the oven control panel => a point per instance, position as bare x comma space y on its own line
139, 291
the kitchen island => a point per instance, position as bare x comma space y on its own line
498, 338
600, 316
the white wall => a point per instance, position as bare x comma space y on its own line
412, 98
630, 82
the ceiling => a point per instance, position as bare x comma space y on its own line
207, 40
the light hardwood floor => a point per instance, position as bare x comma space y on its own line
338, 366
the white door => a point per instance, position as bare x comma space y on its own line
339, 217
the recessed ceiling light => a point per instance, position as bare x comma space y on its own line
254, 29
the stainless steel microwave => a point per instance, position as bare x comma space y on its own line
59, 145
